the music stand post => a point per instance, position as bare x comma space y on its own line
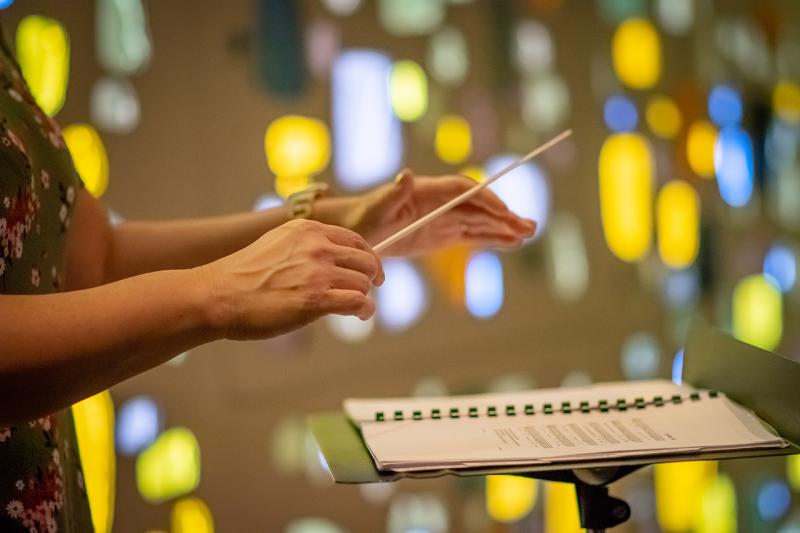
597, 509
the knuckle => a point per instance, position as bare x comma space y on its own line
461, 183
354, 237
371, 265
319, 251
313, 300
363, 284
352, 299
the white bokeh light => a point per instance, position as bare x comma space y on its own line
525, 190
403, 298
349, 328
114, 105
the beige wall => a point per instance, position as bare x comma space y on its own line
199, 151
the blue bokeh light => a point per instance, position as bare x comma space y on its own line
403, 297
681, 288
484, 285
525, 190
774, 499
781, 146
677, 367
267, 201
733, 163
5, 3
724, 106
780, 264
619, 113
138, 425
640, 356
368, 142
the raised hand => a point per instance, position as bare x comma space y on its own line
483, 220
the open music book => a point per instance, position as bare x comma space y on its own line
606, 420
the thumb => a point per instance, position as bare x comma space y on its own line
394, 197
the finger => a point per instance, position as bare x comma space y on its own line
447, 234
521, 225
518, 224
526, 226
452, 186
345, 237
392, 198
351, 239
473, 217
346, 302
481, 238
345, 278
489, 200
360, 261
488, 239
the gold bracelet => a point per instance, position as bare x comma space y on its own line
301, 203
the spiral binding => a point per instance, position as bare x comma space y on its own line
510, 410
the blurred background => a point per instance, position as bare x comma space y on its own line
678, 195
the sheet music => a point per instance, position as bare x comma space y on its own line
698, 422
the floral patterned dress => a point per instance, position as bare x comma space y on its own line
41, 482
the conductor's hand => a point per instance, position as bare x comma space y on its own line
291, 276
483, 220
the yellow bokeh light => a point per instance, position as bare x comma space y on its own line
678, 491
700, 141
453, 139
510, 498
297, 146
287, 185
43, 56
447, 268
626, 183
717, 507
561, 508
758, 312
191, 515
663, 117
408, 87
786, 101
793, 471
89, 157
678, 224
474, 173
170, 467
636, 53
94, 430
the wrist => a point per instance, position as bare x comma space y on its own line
335, 211
210, 301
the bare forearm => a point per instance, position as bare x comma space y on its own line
140, 247
60, 348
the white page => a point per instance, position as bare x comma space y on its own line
686, 427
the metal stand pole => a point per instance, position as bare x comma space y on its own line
598, 510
